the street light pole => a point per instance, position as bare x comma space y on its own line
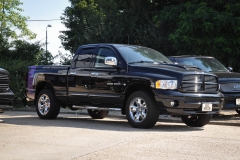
46, 41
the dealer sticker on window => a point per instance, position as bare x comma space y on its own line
206, 107
238, 101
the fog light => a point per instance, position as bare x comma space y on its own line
174, 103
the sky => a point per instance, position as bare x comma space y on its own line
46, 10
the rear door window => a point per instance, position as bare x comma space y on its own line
84, 58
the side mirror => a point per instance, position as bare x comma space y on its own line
111, 61
230, 69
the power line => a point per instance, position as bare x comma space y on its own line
43, 20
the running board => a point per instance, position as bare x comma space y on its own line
96, 108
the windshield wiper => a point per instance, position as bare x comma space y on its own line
160, 62
141, 62
218, 71
193, 67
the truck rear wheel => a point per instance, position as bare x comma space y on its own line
47, 105
97, 114
196, 120
141, 110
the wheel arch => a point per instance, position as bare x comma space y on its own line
40, 86
133, 88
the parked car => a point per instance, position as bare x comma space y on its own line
6, 95
229, 81
138, 81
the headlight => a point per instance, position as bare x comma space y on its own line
166, 84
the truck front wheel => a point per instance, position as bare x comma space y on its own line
196, 120
97, 114
141, 110
47, 105
238, 111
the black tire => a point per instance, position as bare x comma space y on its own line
47, 105
145, 114
238, 111
97, 114
198, 120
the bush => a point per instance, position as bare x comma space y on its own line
16, 61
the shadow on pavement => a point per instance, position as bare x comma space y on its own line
85, 122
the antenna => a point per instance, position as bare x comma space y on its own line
127, 62
127, 54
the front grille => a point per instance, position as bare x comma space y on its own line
199, 83
230, 87
210, 79
191, 78
4, 82
191, 87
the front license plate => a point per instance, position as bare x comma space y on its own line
238, 101
206, 107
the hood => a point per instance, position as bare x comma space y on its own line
165, 66
3, 71
172, 70
225, 77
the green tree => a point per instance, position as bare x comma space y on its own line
110, 21
45, 59
205, 28
174, 27
79, 18
64, 59
16, 61
17, 54
12, 21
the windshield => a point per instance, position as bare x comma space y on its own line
206, 64
139, 54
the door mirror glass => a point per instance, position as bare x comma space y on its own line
111, 61
230, 69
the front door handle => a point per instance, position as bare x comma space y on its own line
72, 73
94, 74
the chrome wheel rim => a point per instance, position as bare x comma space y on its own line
44, 104
138, 110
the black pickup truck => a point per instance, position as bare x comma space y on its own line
6, 95
138, 81
229, 81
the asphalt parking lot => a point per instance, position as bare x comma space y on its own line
75, 136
